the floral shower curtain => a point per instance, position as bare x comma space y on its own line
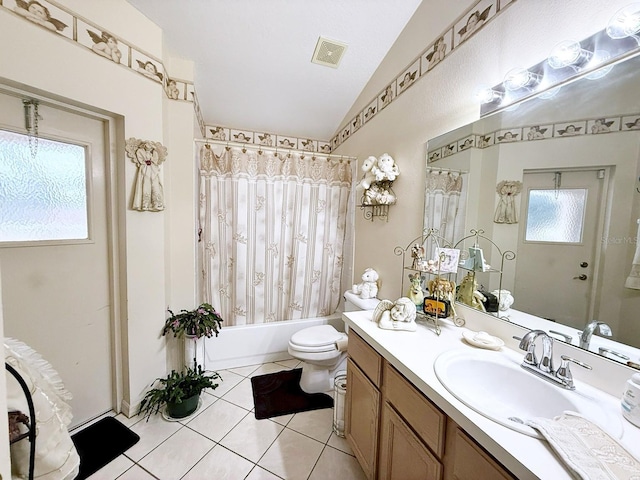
443, 208
272, 229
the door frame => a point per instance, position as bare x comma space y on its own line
602, 225
116, 210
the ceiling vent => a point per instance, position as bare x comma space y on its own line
328, 52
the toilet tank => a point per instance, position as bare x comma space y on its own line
353, 302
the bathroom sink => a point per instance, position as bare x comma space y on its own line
496, 386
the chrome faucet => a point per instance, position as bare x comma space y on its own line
528, 344
585, 336
544, 366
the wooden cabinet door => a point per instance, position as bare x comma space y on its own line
466, 460
402, 455
362, 413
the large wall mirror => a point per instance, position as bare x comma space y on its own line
573, 221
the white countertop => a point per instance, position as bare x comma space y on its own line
413, 354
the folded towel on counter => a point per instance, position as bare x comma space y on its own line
584, 447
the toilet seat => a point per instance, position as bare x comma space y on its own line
318, 339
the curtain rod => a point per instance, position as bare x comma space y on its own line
272, 149
447, 170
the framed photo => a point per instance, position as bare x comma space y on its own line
448, 259
435, 307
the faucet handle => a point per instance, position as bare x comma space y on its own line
564, 372
567, 338
604, 351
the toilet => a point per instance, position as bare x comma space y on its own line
323, 349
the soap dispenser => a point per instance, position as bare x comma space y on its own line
631, 400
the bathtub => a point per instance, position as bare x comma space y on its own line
253, 344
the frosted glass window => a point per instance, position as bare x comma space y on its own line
42, 198
556, 215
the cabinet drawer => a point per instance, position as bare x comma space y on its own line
369, 361
424, 417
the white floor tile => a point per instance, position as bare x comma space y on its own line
336, 464
268, 368
229, 380
287, 447
261, 474
317, 424
175, 457
340, 443
283, 419
244, 371
241, 395
251, 437
136, 473
113, 469
292, 455
220, 463
152, 433
218, 420
292, 363
129, 422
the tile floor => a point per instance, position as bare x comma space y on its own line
225, 441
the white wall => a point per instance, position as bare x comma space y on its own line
158, 259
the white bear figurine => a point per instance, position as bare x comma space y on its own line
369, 286
367, 167
385, 168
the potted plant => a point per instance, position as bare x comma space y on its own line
195, 324
203, 321
179, 392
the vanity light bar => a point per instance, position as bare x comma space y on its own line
592, 57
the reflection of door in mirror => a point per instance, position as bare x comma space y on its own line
562, 218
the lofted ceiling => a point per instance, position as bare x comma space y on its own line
252, 58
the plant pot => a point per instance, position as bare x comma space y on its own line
184, 408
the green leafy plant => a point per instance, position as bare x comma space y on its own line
176, 387
203, 321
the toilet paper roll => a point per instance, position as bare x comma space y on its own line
341, 344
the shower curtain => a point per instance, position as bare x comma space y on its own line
443, 208
272, 230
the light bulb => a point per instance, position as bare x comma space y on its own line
485, 94
521, 78
625, 23
569, 53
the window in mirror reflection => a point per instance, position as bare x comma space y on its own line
555, 215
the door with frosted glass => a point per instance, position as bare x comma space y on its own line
54, 248
561, 219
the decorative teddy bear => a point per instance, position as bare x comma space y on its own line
385, 168
369, 176
369, 286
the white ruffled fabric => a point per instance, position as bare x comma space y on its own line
586, 449
56, 457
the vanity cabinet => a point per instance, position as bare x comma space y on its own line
362, 402
397, 433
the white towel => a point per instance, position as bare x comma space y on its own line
584, 447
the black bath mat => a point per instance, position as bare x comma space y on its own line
279, 393
100, 443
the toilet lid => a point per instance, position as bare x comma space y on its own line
319, 336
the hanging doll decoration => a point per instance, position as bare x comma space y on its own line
506, 210
148, 194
